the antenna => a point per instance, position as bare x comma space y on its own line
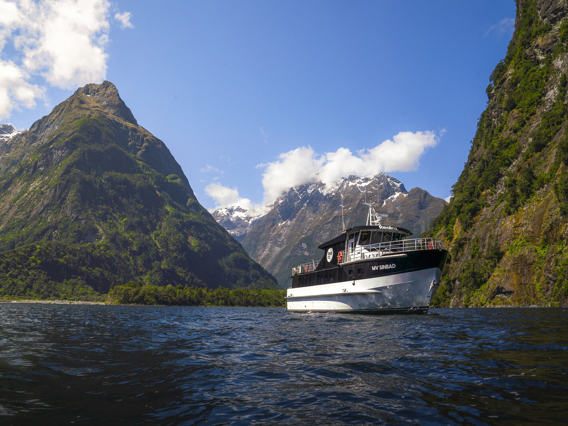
342, 215
370, 214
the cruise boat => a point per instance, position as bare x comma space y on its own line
369, 269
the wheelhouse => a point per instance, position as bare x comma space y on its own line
358, 241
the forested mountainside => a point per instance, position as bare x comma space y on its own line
507, 223
308, 215
90, 200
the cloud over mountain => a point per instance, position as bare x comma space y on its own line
303, 165
58, 43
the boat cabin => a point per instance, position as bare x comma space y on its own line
361, 242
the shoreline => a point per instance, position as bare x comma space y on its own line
52, 302
85, 302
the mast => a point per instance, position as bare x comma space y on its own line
373, 218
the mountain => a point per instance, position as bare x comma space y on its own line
236, 220
89, 199
507, 223
308, 215
7, 131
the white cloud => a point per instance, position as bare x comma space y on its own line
293, 168
302, 165
229, 197
208, 168
65, 42
505, 26
9, 13
55, 42
223, 195
124, 19
15, 90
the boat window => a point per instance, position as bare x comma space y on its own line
364, 238
376, 237
351, 243
387, 236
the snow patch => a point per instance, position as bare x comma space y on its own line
394, 182
394, 197
330, 188
369, 181
313, 187
7, 131
241, 214
237, 214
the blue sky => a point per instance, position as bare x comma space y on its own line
254, 96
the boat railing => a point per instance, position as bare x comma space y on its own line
304, 268
372, 251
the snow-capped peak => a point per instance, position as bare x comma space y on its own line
7, 131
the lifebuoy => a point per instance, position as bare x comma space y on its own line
339, 256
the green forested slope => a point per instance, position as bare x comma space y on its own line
507, 224
89, 200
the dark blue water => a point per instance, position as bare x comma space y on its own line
171, 365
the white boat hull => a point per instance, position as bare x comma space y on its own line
403, 292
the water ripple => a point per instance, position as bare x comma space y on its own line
188, 365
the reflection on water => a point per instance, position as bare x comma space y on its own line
69, 363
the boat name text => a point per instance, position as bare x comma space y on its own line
382, 267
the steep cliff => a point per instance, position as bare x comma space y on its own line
89, 200
506, 225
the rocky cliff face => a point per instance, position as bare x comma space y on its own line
308, 215
89, 200
507, 225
